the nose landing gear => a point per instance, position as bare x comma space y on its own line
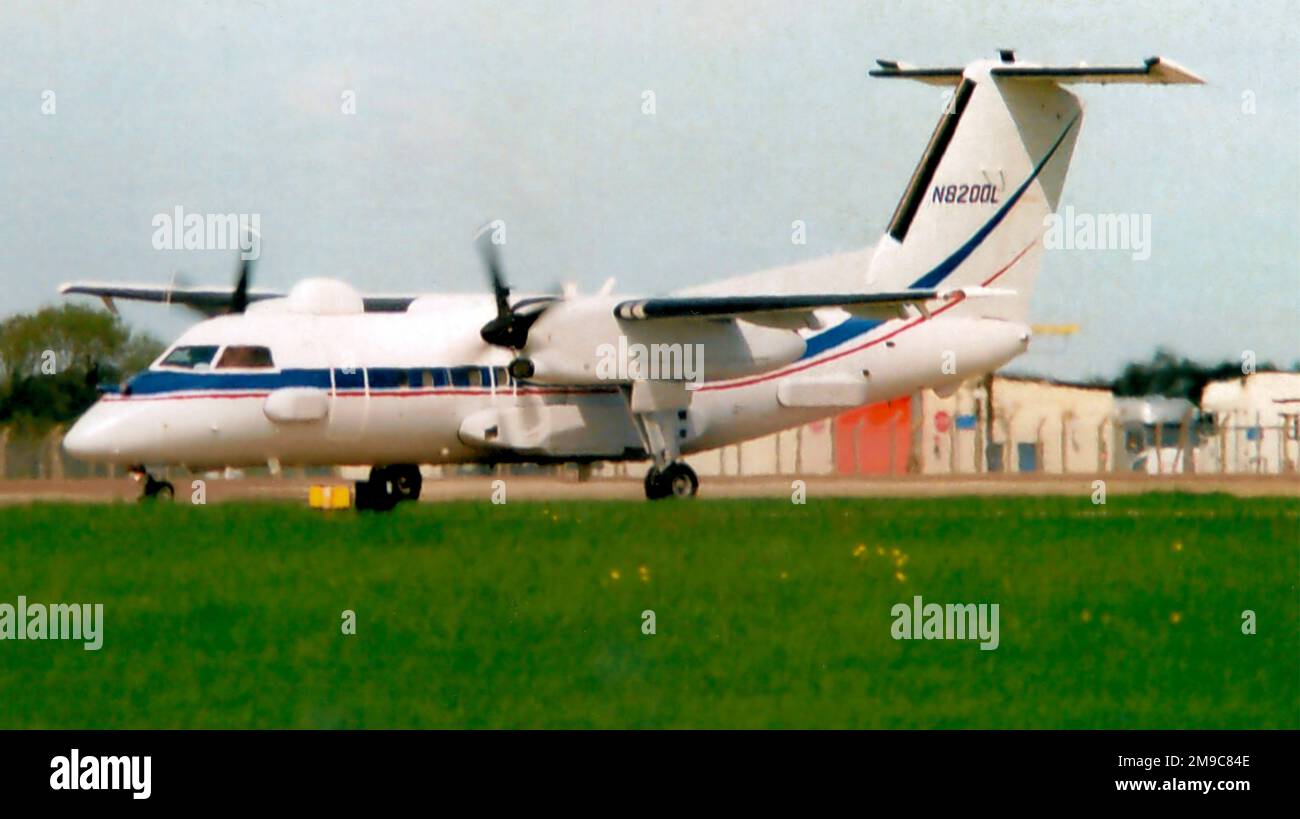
151, 488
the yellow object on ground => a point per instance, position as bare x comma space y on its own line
329, 497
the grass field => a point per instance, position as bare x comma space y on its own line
1127, 615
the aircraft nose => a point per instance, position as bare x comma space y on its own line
93, 437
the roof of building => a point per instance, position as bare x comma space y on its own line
1053, 382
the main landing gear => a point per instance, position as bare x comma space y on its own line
668, 477
388, 486
675, 480
151, 488
659, 412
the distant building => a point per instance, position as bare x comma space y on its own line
1252, 424
1156, 435
1035, 425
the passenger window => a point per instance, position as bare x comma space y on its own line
500, 377
475, 377
190, 358
240, 357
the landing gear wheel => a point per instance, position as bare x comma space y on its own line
151, 488
677, 480
680, 480
373, 496
654, 484
406, 481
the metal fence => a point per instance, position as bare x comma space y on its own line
832, 448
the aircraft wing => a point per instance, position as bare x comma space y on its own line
210, 301
786, 311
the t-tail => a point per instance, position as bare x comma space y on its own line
974, 212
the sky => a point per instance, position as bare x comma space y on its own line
534, 113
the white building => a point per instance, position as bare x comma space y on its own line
1254, 424
1036, 426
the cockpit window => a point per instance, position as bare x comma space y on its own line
243, 358
189, 358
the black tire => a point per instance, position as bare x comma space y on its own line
363, 496
679, 481
373, 496
655, 487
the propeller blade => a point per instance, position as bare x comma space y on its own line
510, 326
496, 276
239, 299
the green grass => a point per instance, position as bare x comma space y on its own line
474, 615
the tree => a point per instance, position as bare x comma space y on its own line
1172, 376
52, 360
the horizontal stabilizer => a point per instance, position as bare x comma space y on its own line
931, 76
1152, 71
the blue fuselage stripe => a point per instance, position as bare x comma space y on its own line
154, 382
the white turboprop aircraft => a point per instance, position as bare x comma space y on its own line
325, 375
